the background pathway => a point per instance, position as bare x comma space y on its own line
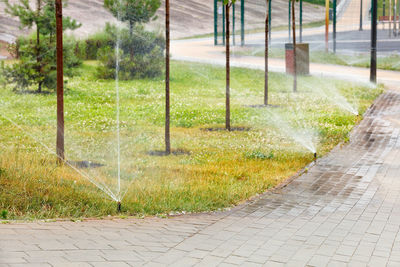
346, 209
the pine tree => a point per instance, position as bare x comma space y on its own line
37, 53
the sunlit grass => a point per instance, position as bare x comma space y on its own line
216, 169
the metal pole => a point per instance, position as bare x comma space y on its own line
361, 15
290, 21
223, 23
294, 48
334, 25
60, 84
215, 22
398, 13
373, 41
228, 71
395, 19
390, 18
384, 8
167, 89
270, 20
326, 25
301, 21
242, 14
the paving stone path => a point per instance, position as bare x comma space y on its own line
345, 210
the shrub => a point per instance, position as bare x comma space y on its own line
140, 56
28, 71
4, 214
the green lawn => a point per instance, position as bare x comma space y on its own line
391, 62
210, 170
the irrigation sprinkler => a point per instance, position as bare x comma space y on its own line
119, 206
315, 156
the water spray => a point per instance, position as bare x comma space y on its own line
119, 206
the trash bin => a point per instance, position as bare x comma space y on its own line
302, 58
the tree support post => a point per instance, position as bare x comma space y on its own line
373, 41
167, 89
60, 85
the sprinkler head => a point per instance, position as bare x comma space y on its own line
119, 206
315, 156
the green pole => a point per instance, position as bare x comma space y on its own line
223, 22
242, 22
233, 24
215, 22
290, 21
301, 21
269, 21
334, 25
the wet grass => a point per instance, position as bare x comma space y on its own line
213, 169
388, 62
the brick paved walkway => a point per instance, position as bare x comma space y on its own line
346, 209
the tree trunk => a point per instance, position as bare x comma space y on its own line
294, 48
131, 50
60, 85
266, 55
38, 60
227, 100
167, 89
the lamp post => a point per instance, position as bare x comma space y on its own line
373, 41
60, 84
